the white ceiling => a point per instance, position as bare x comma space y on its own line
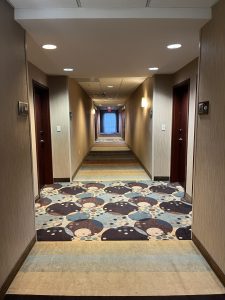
37, 4
112, 42
101, 94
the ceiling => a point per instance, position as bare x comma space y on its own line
111, 42
116, 94
34, 4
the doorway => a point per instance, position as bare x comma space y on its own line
180, 133
43, 134
109, 122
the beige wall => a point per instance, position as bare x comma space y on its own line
190, 71
144, 134
162, 115
34, 74
139, 124
59, 116
209, 178
81, 124
16, 186
71, 144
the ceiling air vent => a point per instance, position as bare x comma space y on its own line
87, 80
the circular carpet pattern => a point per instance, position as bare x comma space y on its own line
104, 211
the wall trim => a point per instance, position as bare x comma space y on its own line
162, 178
140, 162
50, 297
36, 198
187, 198
82, 161
78, 168
65, 179
219, 273
16, 268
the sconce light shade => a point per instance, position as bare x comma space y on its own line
144, 102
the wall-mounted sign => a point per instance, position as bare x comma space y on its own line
23, 108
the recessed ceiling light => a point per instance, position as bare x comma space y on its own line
49, 47
110, 86
174, 46
68, 69
153, 69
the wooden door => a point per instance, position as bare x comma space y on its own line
123, 123
43, 135
180, 133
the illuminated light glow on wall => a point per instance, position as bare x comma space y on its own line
144, 102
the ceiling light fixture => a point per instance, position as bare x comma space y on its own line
144, 102
68, 69
110, 86
153, 69
49, 47
174, 46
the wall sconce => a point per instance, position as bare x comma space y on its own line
144, 102
93, 111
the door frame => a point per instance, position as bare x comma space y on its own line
45, 90
185, 83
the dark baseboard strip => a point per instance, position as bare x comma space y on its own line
161, 178
78, 168
187, 198
36, 198
149, 174
61, 179
197, 297
16, 268
219, 273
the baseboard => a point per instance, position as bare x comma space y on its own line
36, 198
78, 168
161, 178
16, 268
187, 198
189, 297
140, 162
80, 164
65, 179
219, 273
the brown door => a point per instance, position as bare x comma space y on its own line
180, 133
43, 135
96, 124
123, 123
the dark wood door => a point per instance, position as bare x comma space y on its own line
123, 123
180, 133
43, 135
96, 123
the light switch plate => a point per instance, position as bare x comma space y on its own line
58, 128
23, 109
163, 127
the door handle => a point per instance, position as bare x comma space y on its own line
42, 141
180, 139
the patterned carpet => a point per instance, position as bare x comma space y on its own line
104, 211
